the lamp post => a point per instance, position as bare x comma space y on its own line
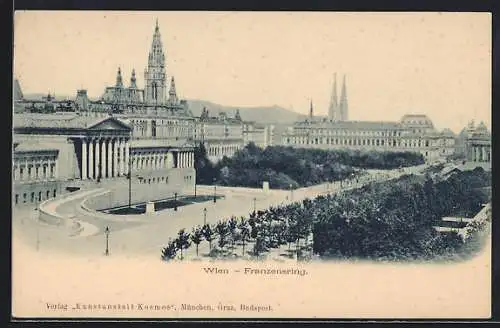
215, 192
195, 186
129, 177
106, 231
99, 173
37, 217
175, 201
254, 207
291, 192
204, 216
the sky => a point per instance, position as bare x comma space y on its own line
438, 64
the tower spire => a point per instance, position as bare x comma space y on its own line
344, 108
172, 93
133, 80
333, 110
119, 79
155, 75
311, 110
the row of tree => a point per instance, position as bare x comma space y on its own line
387, 220
396, 220
283, 166
267, 229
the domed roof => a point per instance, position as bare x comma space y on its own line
416, 120
482, 127
447, 132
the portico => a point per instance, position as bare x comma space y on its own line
103, 150
479, 152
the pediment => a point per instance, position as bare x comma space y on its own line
109, 124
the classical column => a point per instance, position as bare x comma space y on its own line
91, 159
484, 154
109, 156
162, 160
97, 157
116, 169
127, 154
84, 159
121, 149
103, 159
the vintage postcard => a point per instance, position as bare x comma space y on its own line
251, 165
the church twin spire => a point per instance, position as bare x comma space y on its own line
338, 111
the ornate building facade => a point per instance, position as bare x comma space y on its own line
221, 135
129, 130
414, 133
474, 143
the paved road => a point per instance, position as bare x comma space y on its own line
153, 231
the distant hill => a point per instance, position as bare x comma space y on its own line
264, 114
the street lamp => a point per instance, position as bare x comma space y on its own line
129, 177
215, 192
291, 192
99, 166
195, 186
175, 201
106, 231
205, 216
37, 216
254, 207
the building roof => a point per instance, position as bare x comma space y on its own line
449, 169
352, 124
57, 121
447, 132
34, 147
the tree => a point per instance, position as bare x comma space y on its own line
244, 233
182, 241
169, 251
222, 230
208, 234
232, 224
259, 246
196, 237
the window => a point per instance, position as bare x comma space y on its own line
32, 197
24, 198
29, 172
36, 172
39, 196
48, 194
21, 171
16, 199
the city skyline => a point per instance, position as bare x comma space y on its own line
209, 51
